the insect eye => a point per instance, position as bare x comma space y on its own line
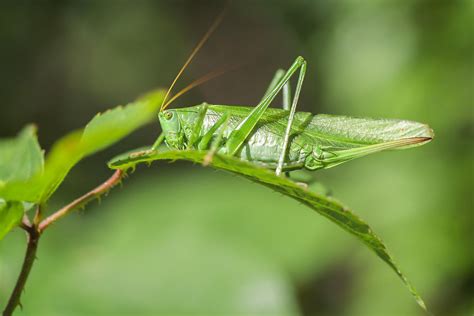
168, 115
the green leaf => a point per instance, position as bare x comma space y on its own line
20, 157
21, 163
325, 206
102, 131
10, 216
111, 126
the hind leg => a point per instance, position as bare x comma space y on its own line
286, 88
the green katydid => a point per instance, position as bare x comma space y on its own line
280, 139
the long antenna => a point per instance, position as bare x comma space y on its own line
198, 82
206, 36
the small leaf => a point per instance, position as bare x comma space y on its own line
325, 206
10, 216
21, 163
102, 131
111, 126
20, 157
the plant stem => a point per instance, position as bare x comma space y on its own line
97, 192
14, 301
34, 230
25, 223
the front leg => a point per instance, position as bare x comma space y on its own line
158, 142
152, 149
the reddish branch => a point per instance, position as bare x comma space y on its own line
35, 229
83, 200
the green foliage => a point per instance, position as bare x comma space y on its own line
25, 177
103, 130
10, 216
325, 206
20, 157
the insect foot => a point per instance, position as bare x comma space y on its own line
303, 185
142, 153
208, 159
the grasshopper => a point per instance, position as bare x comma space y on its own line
280, 139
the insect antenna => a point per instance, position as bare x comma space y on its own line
196, 49
198, 82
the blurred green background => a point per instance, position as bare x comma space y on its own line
179, 239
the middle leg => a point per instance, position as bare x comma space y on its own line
281, 160
247, 125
